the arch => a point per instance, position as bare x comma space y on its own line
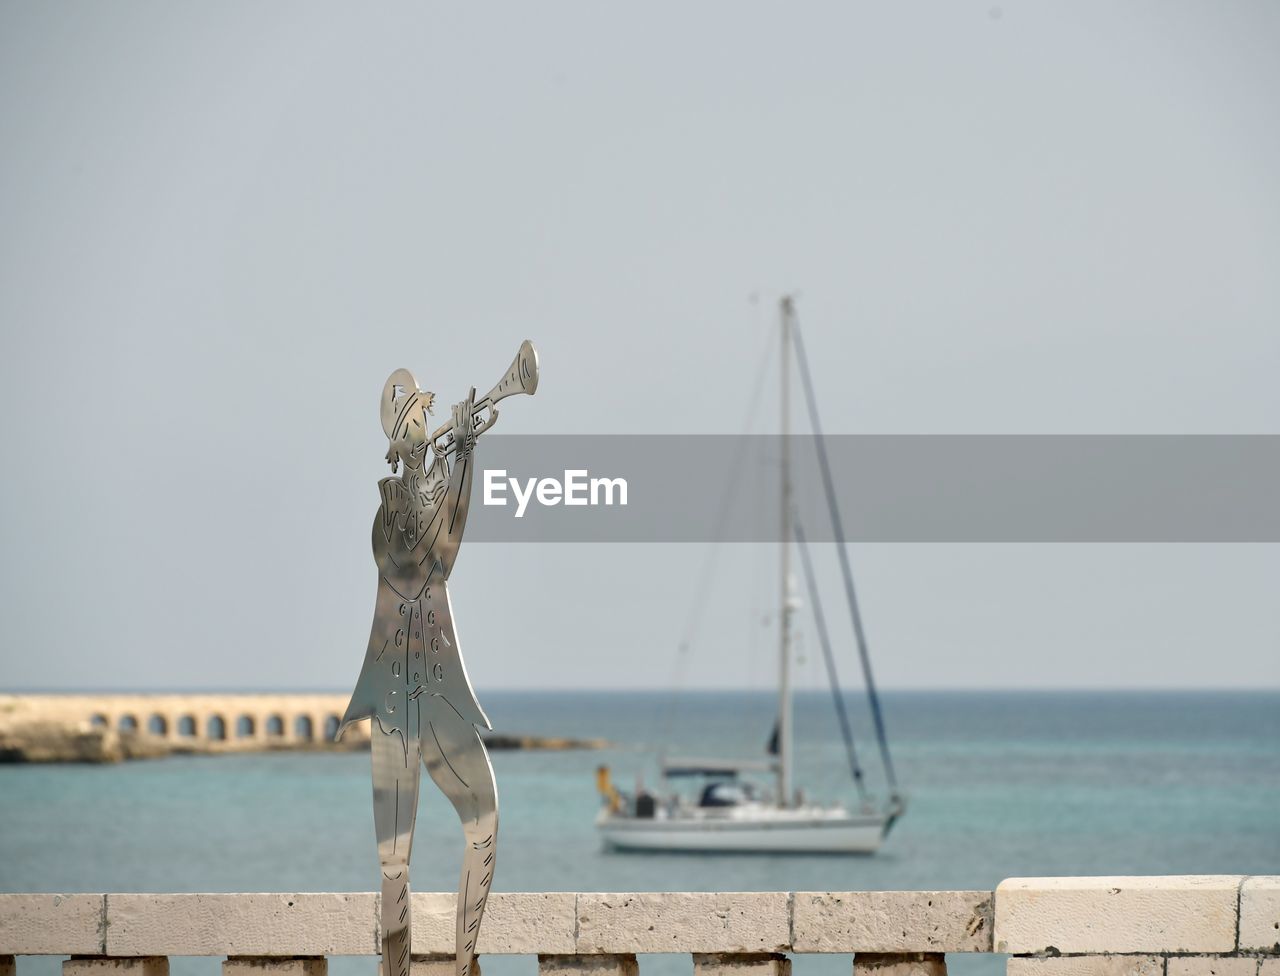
99, 721
216, 728
187, 726
304, 728
246, 727
158, 725
275, 725
128, 723
331, 727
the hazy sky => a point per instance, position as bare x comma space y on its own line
224, 224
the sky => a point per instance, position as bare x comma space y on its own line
225, 224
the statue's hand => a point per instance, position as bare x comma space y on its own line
464, 426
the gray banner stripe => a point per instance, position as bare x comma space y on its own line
1074, 488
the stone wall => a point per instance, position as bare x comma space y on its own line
1218, 925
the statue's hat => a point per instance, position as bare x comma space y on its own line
401, 398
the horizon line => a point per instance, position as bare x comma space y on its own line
700, 690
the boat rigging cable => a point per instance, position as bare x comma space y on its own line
837, 524
702, 587
820, 622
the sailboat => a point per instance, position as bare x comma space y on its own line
731, 810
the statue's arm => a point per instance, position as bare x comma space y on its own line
395, 500
451, 515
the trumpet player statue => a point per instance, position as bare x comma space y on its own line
413, 685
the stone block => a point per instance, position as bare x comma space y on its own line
116, 966
521, 922
694, 922
51, 925
1269, 966
1211, 966
1179, 913
311, 924
1086, 966
601, 965
892, 921
275, 966
1260, 914
741, 964
899, 964
438, 964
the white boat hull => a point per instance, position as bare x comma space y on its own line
781, 834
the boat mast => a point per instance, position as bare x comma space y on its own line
785, 791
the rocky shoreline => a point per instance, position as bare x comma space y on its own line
59, 742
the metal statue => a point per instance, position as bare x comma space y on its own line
414, 685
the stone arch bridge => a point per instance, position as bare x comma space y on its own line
247, 721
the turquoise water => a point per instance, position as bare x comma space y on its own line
1000, 784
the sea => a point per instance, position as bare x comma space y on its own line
999, 784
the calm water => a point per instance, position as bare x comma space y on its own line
1000, 785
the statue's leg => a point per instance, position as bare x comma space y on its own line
458, 763
395, 804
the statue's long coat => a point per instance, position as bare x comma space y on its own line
413, 653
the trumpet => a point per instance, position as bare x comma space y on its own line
521, 377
